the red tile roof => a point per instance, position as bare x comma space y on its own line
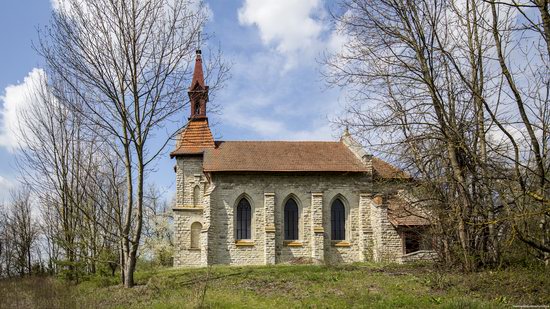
402, 213
194, 139
275, 156
270, 156
385, 170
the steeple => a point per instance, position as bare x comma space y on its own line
196, 137
198, 91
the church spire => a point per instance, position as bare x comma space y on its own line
198, 91
196, 137
198, 75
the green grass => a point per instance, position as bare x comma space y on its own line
290, 286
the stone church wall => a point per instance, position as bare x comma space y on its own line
303, 188
387, 243
183, 253
187, 211
369, 235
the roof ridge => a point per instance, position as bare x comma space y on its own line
275, 141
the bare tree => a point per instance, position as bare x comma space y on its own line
127, 61
71, 172
4, 244
20, 234
429, 87
56, 152
158, 242
528, 91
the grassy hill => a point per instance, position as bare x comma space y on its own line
290, 286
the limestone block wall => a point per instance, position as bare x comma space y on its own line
269, 235
313, 194
301, 248
317, 228
188, 176
187, 211
184, 255
387, 243
367, 242
223, 248
347, 251
369, 235
206, 216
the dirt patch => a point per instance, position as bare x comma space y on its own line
288, 288
303, 261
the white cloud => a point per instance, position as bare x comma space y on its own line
270, 129
195, 5
17, 98
63, 5
55, 4
289, 25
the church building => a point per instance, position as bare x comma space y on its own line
269, 202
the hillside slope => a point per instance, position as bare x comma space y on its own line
289, 286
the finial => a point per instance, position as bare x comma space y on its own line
199, 43
346, 131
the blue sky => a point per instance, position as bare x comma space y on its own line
275, 91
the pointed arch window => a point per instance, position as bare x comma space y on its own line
196, 196
291, 220
244, 219
338, 220
196, 228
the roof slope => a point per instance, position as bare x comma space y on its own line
403, 213
385, 170
275, 156
194, 139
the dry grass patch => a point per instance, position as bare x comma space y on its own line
312, 286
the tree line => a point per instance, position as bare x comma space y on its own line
115, 80
457, 91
